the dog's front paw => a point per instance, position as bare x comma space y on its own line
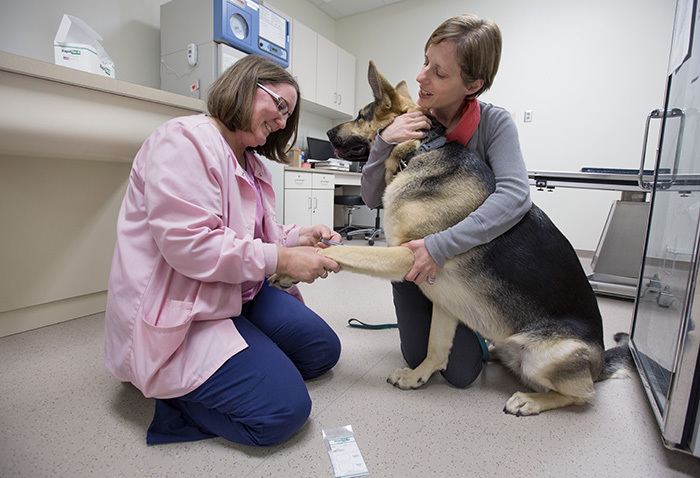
282, 281
522, 404
406, 379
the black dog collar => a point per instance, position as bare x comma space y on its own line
429, 145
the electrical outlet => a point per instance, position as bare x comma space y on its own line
528, 116
194, 89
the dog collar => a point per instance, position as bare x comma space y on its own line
425, 146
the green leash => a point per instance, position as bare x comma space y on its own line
358, 324
484, 347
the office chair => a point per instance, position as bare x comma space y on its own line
353, 203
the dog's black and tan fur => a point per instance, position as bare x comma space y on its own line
525, 291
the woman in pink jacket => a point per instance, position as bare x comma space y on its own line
191, 319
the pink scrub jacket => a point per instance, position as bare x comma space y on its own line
184, 247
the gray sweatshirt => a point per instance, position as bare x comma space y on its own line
496, 142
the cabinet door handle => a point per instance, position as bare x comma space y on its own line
340, 98
315, 204
309, 205
335, 98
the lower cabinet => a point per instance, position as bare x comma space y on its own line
308, 198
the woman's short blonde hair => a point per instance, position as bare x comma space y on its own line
478, 43
232, 96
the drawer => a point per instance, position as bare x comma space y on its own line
297, 180
323, 181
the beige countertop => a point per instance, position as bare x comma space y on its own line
61, 74
52, 111
324, 171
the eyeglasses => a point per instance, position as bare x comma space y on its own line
281, 103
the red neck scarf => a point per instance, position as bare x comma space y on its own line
471, 115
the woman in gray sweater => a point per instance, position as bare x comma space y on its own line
461, 60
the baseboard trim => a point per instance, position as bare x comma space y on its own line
34, 317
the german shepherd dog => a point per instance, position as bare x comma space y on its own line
524, 292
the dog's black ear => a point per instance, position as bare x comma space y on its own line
381, 88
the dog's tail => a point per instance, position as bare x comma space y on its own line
618, 359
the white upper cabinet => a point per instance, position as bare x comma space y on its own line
325, 72
346, 82
304, 59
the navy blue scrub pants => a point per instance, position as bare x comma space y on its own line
414, 312
258, 397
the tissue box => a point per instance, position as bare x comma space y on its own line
77, 46
295, 156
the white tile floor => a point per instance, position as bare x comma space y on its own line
62, 414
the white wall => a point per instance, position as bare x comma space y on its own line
310, 125
307, 13
130, 29
590, 70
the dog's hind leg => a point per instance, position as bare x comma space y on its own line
524, 404
442, 333
562, 370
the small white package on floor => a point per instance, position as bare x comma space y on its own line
345, 455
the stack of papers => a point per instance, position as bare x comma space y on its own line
332, 163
